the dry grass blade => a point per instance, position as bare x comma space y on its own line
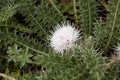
7, 77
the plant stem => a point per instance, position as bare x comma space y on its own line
38, 24
90, 17
57, 9
27, 46
75, 12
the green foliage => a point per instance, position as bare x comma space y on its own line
76, 66
18, 56
25, 27
101, 34
6, 13
88, 10
107, 33
113, 22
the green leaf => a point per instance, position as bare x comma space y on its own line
18, 55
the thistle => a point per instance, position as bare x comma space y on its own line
64, 37
118, 52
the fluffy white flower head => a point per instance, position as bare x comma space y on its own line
118, 49
118, 52
64, 37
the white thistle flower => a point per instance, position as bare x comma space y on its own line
118, 48
64, 37
118, 52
